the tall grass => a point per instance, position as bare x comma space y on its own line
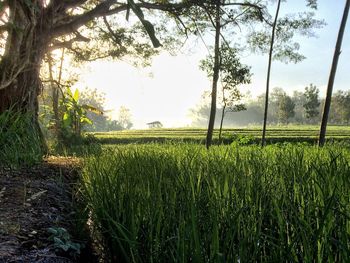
20, 141
181, 203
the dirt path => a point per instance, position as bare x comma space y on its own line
31, 201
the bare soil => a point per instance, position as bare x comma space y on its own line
33, 200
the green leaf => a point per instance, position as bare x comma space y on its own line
58, 241
85, 120
76, 95
67, 120
79, 111
52, 231
66, 116
69, 92
75, 246
65, 247
92, 109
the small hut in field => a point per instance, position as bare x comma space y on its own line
154, 125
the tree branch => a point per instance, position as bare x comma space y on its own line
106, 9
69, 43
110, 30
80, 20
79, 54
185, 28
65, 4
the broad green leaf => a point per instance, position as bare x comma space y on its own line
58, 241
69, 92
76, 95
92, 109
65, 116
52, 231
85, 120
67, 119
65, 247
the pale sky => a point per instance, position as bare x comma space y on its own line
177, 83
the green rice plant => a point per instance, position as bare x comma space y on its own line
182, 203
20, 141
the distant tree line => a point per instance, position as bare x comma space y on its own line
299, 108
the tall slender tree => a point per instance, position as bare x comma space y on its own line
216, 70
232, 73
258, 11
263, 139
278, 42
337, 51
221, 15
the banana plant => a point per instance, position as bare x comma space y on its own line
74, 114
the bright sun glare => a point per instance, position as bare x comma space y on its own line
163, 92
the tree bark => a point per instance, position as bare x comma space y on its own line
263, 139
327, 105
215, 76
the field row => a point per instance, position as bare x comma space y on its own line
251, 135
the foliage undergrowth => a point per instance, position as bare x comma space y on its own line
20, 141
62, 240
78, 146
181, 203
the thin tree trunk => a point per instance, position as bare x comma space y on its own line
222, 121
55, 86
215, 76
336, 55
222, 113
55, 96
263, 139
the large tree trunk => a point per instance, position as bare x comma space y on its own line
337, 52
26, 44
215, 76
263, 138
21, 94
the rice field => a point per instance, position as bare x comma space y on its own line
274, 134
182, 203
